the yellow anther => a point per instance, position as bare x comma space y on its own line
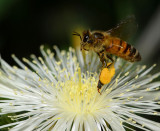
136, 77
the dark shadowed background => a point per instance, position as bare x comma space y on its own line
26, 24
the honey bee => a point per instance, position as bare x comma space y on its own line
111, 42
107, 43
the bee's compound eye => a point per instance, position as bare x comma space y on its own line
85, 38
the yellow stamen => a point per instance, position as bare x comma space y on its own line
77, 94
79, 75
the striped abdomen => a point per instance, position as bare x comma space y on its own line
122, 49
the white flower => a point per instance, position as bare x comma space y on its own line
60, 94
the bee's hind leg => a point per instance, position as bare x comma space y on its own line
104, 59
110, 58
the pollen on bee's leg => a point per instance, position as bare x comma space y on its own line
106, 76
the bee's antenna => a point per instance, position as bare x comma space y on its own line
77, 34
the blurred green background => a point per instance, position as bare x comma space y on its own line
26, 24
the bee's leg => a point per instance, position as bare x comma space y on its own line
102, 58
110, 58
81, 48
99, 86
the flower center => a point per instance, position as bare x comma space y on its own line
78, 94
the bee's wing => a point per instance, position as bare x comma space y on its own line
125, 29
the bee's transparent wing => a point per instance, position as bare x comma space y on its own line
125, 29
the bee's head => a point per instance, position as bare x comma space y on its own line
85, 40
